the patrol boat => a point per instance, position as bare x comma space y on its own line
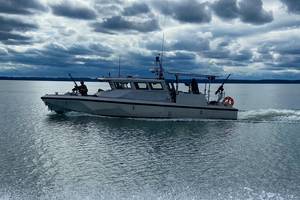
148, 98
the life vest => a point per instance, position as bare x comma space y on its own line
228, 101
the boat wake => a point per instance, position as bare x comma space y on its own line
266, 115
261, 115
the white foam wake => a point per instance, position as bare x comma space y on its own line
260, 115
270, 115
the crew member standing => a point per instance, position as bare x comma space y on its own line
194, 87
82, 89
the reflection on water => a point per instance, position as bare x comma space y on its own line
80, 156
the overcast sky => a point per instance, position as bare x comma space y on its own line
250, 38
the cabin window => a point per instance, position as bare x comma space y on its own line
141, 86
156, 86
122, 85
105, 86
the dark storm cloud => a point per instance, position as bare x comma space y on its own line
54, 60
225, 9
141, 63
136, 9
69, 54
293, 6
71, 10
189, 11
187, 62
11, 24
10, 31
25, 7
291, 47
139, 59
57, 56
220, 44
291, 63
248, 11
253, 12
223, 53
119, 23
241, 55
14, 39
288, 55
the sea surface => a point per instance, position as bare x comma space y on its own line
44, 155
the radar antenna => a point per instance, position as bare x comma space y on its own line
159, 60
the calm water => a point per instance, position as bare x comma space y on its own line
80, 156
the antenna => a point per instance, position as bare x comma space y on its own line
162, 48
159, 58
161, 70
119, 66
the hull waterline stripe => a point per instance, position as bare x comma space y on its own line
144, 104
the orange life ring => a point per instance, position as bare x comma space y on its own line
228, 101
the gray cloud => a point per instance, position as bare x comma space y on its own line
178, 60
189, 11
248, 11
109, 10
287, 55
57, 56
186, 61
82, 60
188, 44
220, 52
233, 32
241, 55
71, 10
25, 7
292, 5
181, 61
223, 54
253, 12
226, 9
109, 1
193, 47
135, 9
119, 23
11, 31
14, 39
283, 48
181, 58
11, 24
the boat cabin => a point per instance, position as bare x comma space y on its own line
157, 90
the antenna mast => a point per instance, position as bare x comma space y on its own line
162, 48
119, 67
161, 70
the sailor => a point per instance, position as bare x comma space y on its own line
173, 93
82, 89
194, 87
220, 93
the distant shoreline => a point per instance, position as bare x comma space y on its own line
237, 81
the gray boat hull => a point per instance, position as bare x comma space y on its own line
137, 109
